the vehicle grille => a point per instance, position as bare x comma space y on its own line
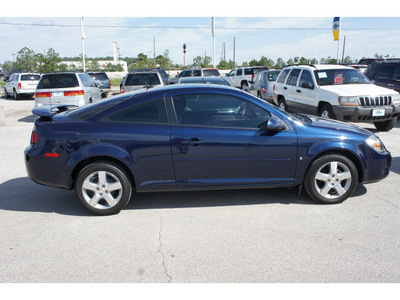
375, 101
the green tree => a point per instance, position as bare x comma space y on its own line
254, 62
223, 65
26, 60
93, 65
202, 62
47, 63
7, 65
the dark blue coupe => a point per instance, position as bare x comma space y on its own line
195, 137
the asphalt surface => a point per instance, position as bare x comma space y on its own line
264, 236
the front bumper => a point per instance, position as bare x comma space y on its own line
361, 114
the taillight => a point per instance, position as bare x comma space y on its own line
43, 95
109, 82
252, 76
74, 93
264, 90
19, 86
122, 90
34, 138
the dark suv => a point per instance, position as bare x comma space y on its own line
385, 74
102, 81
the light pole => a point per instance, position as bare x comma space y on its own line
184, 56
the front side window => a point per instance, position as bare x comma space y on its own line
384, 73
306, 80
148, 112
232, 73
218, 110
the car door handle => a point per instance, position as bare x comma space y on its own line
192, 141
298, 91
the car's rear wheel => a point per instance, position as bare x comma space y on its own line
15, 94
103, 188
245, 85
282, 104
385, 125
331, 179
326, 112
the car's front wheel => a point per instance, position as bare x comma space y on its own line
331, 179
385, 125
16, 95
103, 188
326, 112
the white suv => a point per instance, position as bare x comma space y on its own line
336, 92
21, 84
241, 77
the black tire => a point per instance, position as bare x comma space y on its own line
326, 111
244, 85
15, 95
282, 104
6, 94
331, 179
385, 125
103, 188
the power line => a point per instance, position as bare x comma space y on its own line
192, 27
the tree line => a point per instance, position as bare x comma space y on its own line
28, 61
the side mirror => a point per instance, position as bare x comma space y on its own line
227, 74
275, 124
307, 85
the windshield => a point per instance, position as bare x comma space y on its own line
340, 76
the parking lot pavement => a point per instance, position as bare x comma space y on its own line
212, 236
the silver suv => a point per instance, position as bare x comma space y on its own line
21, 84
140, 79
77, 89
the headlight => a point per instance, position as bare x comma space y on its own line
348, 101
375, 143
396, 99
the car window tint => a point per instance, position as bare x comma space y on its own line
306, 78
282, 75
272, 76
30, 77
293, 76
211, 72
248, 71
99, 76
52, 81
384, 73
142, 79
396, 73
148, 112
86, 80
216, 110
232, 73
239, 72
196, 72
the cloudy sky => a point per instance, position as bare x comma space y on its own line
255, 27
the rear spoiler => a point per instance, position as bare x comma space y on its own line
50, 112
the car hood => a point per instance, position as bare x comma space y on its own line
358, 90
337, 127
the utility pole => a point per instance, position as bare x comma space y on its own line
154, 52
234, 54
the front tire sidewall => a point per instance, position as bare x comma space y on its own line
309, 181
116, 171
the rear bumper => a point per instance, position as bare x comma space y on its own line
361, 114
46, 170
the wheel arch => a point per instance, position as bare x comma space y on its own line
321, 103
101, 158
344, 152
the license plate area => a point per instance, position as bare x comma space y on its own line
378, 112
58, 94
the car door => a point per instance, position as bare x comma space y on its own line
9, 84
305, 96
290, 89
388, 76
230, 77
216, 142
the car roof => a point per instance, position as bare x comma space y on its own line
182, 87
